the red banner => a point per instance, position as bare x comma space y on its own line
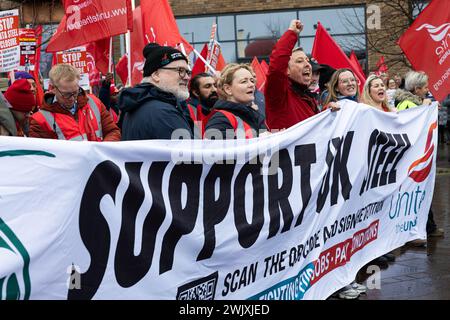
327, 51
88, 21
426, 45
355, 62
98, 55
137, 45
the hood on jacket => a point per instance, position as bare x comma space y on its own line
402, 95
132, 98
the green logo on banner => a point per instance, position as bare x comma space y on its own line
15, 281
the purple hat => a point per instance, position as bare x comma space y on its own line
21, 75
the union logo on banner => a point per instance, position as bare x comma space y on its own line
420, 169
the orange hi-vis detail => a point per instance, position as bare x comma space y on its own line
88, 127
239, 125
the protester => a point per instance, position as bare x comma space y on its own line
69, 113
416, 89
374, 94
203, 96
237, 116
22, 101
108, 95
288, 100
25, 75
152, 109
342, 86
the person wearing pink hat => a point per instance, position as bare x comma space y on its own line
21, 102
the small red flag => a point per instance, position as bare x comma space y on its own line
122, 68
260, 74
327, 51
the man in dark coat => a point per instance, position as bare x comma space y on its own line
152, 109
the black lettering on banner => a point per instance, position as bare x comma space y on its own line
249, 232
183, 219
104, 180
372, 140
278, 196
404, 144
214, 211
338, 164
130, 269
305, 156
378, 173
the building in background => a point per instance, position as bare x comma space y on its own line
250, 28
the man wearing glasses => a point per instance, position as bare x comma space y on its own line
152, 109
69, 113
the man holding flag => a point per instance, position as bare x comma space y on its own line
288, 100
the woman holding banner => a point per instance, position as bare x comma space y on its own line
236, 116
374, 94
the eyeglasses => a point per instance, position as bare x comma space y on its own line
182, 72
68, 95
348, 81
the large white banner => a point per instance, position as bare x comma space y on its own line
293, 215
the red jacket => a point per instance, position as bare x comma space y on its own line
88, 123
286, 104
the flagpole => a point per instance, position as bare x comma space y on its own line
110, 55
128, 49
205, 62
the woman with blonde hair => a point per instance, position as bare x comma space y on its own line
374, 94
235, 113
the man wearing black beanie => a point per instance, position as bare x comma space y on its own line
152, 109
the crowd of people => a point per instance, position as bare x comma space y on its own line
169, 104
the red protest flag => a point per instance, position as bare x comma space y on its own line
98, 54
90, 21
122, 68
260, 74
39, 90
137, 44
327, 51
381, 65
160, 25
199, 66
221, 63
426, 45
265, 66
355, 62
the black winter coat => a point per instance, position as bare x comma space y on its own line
150, 113
249, 115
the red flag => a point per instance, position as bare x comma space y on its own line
160, 25
426, 44
381, 65
327, 51
355, 62
260, 74
90, 21
137, 45
39, 90
265, 66
98, 54
221, 63
199, 65
122, 68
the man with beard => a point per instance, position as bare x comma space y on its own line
288, 100
203, 96
152, 109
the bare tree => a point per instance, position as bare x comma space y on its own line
395, 18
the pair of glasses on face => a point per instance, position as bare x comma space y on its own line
68, 95
348, 81
182, 72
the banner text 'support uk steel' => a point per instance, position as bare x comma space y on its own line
293, 215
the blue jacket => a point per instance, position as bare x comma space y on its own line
149, 113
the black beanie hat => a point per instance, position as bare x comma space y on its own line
157, 56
